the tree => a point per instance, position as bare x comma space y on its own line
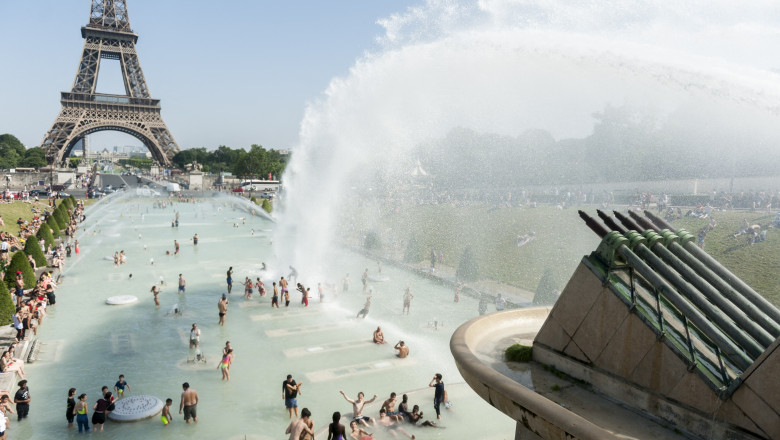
54, 224
19, 263
467, 267
11, 151
414, 252
7, 306
10, 141
61, 215
267, 206
34, 158
45, 233
545, 291
31, 247
372, 241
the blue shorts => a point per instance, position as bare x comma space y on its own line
20, 292
290, 403
181, 288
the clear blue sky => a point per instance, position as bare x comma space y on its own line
228, 73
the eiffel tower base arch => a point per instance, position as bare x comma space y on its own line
77, 120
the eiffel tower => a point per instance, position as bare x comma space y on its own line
108, 36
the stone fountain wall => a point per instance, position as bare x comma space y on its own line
592, 335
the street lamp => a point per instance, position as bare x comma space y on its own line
51, 157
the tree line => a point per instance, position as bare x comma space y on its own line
14, 155
258, 161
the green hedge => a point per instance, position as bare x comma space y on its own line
7, 305
53, 223
545, 291
468, 269
61, 215
414, 251
19, 262
31, 247
267, 206
45, 233
372, 242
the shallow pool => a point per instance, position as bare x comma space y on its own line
87, 344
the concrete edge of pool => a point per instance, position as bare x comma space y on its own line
532, 411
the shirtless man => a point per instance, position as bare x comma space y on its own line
407, 300
176, 246
357, 408
379, 337
229, 279
283, 285
182, 284
403, 350
222, 306
189, 403
364, 311
364, 279
392, 424
388, 406
275, 297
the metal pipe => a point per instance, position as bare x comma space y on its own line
732, 311
593, 224
610, 222
661, 223
731, 350
727, 276
628, 222
642, 221
726, 303
734, 353
701, 302
754, 314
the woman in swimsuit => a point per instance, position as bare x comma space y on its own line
80, 410
225, 364
100, 408
156, 291
336, 431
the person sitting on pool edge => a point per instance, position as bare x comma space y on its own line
379, 337
403, 349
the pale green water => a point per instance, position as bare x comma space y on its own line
87, 344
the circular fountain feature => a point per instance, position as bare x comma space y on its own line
135, 408
121, 300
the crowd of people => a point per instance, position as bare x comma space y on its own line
31, 303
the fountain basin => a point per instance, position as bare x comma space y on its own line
136, 408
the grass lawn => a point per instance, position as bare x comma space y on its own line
561, 239
12, 211
758, 265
